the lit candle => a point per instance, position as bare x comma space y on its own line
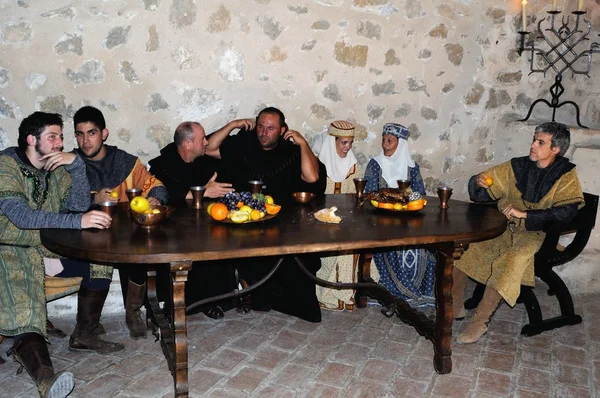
580, 5
554, 5
524, 15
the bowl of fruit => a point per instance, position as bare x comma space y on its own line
243, 208
146, 215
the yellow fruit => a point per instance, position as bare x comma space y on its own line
219, 211
246, 208
139, 204
209, 207
269, 199
489, 181
255, 215
272, 209
414, 205
114, 194
397, 206
374, 203
239, 217
155, 211
388, 206
262, 214
148, 211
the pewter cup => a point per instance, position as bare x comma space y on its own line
197, 195
132, 193
360, 184
444, 194
256, 186
107, 207
403, 184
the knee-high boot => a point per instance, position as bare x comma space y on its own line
133, 315
458, 293
31, 352
89, 309
478, 325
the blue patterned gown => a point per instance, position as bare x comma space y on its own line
409, 273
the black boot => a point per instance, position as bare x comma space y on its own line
31, 352
133, 315
89, 309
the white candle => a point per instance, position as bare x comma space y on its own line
524, 15
580, 5
554, 5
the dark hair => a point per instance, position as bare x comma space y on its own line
184, 132
35, 124
561, 136
274, 111
89, 114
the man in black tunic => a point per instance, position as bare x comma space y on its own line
283, 160
181, 165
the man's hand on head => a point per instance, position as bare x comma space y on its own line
56, 159
295, 137
216, 189
95, 219
246, 124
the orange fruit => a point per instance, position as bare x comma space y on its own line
255, 215
489, 181
219, 211
239, 204
272, 209
389, 206
114, 194
414, 205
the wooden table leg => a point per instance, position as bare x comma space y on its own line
442, 342
179, 272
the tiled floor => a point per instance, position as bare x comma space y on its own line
351, 354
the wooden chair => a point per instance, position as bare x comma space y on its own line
548, 256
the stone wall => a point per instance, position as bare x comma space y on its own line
448, 70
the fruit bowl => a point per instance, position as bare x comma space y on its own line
303, 197
152, 220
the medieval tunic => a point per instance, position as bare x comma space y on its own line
33, 199
289, 291
211, 278
549, 194
408, 273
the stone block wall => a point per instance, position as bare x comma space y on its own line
447, 70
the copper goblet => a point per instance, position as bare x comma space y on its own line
403, 184
444, 194
360, 184
256, 186
197, 195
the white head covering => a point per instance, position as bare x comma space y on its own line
395, 167
337, 166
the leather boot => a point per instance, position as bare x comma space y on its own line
458, 293
54, 331
133, 315
478, 325
31, 352
89, 309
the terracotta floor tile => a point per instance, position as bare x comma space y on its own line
323, 391
361, 388
564, 391
292, 375
498, 384
288, 340
535, 379
377, 369
501, 361
351, 353
405, 387
246, 380
452, 386
535, 359
336, 373
269, 358
573, 375
571, 355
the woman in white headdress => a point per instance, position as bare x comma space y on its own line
408, 273
334, 150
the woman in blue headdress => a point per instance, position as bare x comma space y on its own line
408, 273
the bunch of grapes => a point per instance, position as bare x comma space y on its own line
231, 200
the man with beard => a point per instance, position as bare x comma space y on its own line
283, 160
531, 191
181, 165
43, 187
112, 170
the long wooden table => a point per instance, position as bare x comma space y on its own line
191, 235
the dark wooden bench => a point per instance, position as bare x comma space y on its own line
548, 256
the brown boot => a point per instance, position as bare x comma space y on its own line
89, 309
478, 325
458, 293
31, 352
133, 315
54, 331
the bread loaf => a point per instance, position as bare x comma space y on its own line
328, 215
